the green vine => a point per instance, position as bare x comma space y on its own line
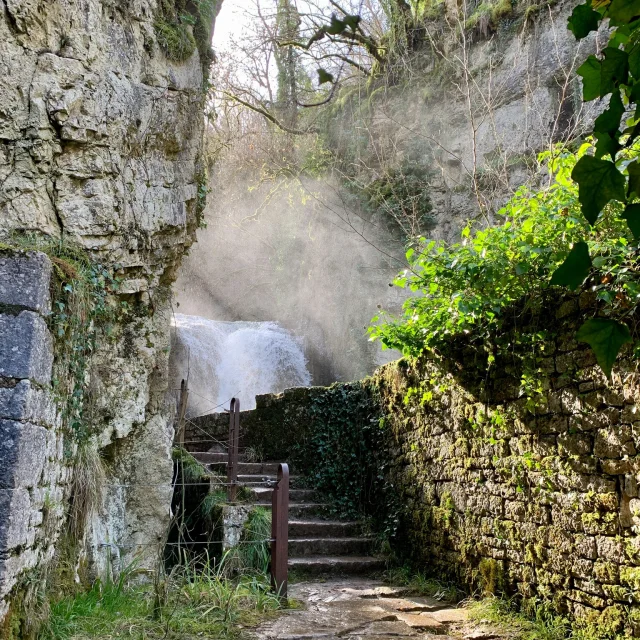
84, 311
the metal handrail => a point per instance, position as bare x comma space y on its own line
280, 532
234, 439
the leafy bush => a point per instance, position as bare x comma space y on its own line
468, 286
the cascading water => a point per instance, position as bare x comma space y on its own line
233, 359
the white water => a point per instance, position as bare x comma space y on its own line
233, 359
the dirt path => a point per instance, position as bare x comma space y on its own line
356, 609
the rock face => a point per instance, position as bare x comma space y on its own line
100, 148
475, 111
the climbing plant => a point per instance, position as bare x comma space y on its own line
85, 310
612, 172
470, 285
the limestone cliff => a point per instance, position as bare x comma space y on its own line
100, 148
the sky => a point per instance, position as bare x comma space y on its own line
229, 23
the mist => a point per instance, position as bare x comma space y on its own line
300, 253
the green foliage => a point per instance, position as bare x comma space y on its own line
605, 338
469, 286
186, 604
342, 456
614, 72
254, 549
402, 195
182, 26
529, 619
191, 471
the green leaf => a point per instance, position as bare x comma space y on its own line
583, 20
599, 182
575, 268
632, 215
615, 70
634, 178
607, 145
352, 21
324, 76
590, 71
609, 120
605, 337
634, 61
623, 11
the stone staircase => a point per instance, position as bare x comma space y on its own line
317, 546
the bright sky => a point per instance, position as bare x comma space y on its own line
229, 23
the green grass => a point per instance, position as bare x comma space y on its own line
533, 620
183, 605
421, 585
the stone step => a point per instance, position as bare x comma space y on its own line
208, 457
336, 565
263, 495
302, 511
329, 546
245, 468
323, 529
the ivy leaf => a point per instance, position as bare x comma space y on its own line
324, 76
590, 72
624, 11
632, 215
607, 145
336, 27
609, 120
575, 268
634, 178
352, 21
583, 20
615, 70
599, 182
634, 61
605, 337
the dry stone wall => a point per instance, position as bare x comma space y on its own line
531, 493
33, 473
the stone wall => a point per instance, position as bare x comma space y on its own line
499, 489
33, 473
100, 152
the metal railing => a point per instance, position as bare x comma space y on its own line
234, 439
280, 532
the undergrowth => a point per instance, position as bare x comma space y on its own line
184, 604
181, 27
532, 620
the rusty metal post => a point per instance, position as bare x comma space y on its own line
280, 532
182, 409
234, 437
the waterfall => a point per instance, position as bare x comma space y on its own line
233, 359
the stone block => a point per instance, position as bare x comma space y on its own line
26, 347
24, 281
23, 450
15, 507
27, 403
614, 442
